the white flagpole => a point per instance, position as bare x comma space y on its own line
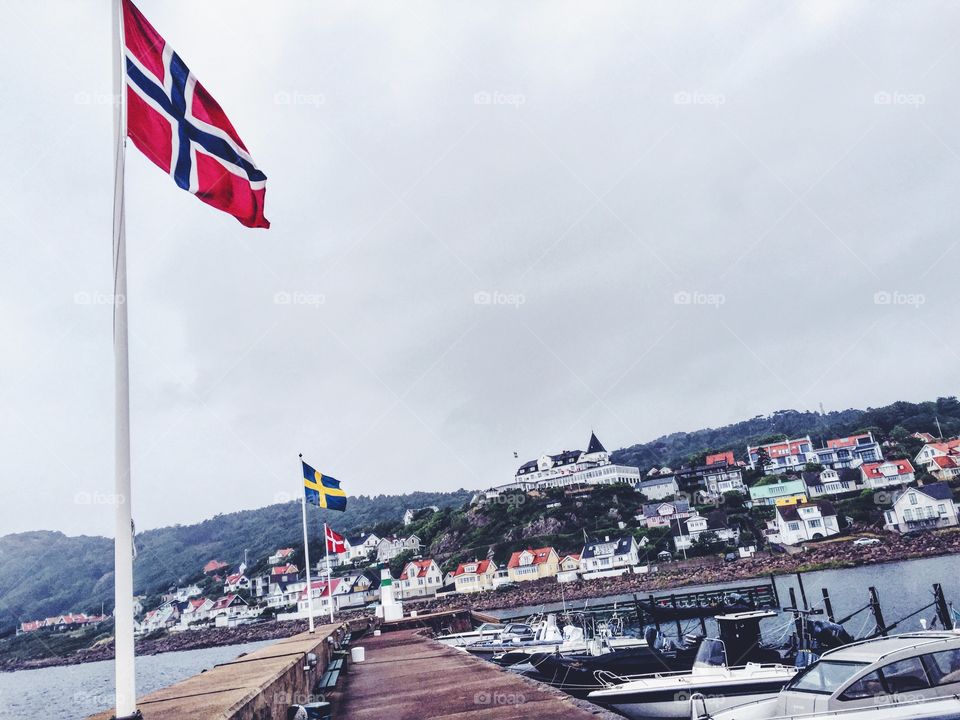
306, 553
326, 551
126, 686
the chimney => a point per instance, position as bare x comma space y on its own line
606, 538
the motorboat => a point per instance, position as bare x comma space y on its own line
574, 641
484, 631
913, 676
516, 636
577, 673
667, 694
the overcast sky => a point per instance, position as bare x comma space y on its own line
495, 227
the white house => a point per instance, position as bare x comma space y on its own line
848, 452
474, 576
784, 455
620, 553
358, 547
931, 450
664, 513
831, 483
793, 524
572, 467
356, 590
196, 610
690, 530
420, 578
320, 598
235, 582
927, 507
282, 555
945, 467
889, 473
160, 618
659, 487
389, 547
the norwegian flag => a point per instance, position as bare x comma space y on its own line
178, 125
335, 541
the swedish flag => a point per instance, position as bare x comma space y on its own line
322, 490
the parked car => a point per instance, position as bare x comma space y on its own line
866, 541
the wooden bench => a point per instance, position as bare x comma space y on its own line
328, 681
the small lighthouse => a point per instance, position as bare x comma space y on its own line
390, 608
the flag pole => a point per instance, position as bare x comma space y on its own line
306, 553
326, 557
125, 676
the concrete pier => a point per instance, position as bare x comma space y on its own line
257, 686
407, 676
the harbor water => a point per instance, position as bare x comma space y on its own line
70, 692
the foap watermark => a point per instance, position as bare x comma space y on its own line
97, 498
896, 297
895, 97
311, 299
297, 698
496, 97
296, 97
498, 297
508, 499
695, 97
99, 698
694, 297
88, 98
85, 297
498, 698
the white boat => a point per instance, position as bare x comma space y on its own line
572, 642
914, 676
667, 695
485, 631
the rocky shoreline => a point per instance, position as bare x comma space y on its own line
832, 554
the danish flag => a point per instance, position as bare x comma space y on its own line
335, 541
178, 125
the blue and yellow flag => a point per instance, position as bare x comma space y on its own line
322, 490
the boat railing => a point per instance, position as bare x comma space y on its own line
610, 679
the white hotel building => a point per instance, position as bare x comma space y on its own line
572, 467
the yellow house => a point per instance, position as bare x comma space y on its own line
533, 564
475, 576
791, 500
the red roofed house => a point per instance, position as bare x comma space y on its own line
474, 576
235, 582
213, 566
850, 451
419, 578
280, 555
197, 610
724, 457
533, 564
944, 448
886, 474
320, 592
228, 608
785, 455
30, 626
945, 467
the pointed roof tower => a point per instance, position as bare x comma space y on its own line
595, 445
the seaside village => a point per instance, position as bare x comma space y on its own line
797, 482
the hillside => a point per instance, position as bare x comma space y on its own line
45, 573
893, 421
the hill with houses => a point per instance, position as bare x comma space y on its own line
44, 574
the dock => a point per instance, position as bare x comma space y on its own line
408, 676
261, 684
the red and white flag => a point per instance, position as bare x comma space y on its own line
335, 542
178, 125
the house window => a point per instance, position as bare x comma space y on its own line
913, 499
793, 526
942, 508
816, 523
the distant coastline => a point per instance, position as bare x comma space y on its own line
834, 553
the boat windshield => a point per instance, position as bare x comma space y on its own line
489, 627
825, 677
711, 654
